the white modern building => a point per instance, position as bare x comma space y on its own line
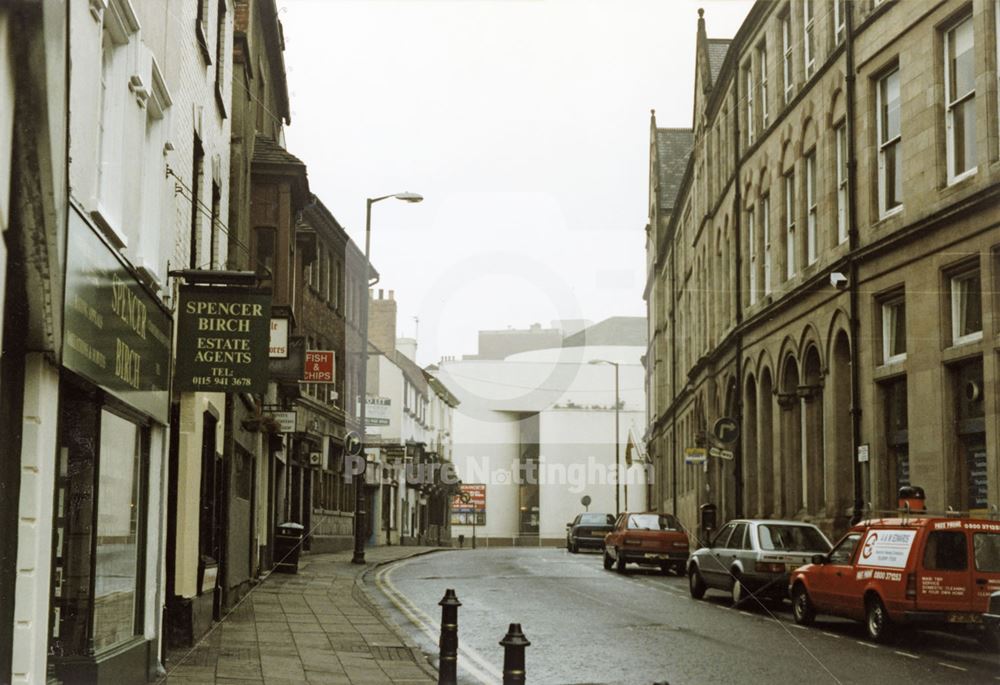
538, 429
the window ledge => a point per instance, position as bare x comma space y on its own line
895, 211
968, 346
964, 176
891, 369
107, 224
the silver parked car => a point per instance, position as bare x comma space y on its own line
754, 555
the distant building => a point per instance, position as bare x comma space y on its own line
538, 430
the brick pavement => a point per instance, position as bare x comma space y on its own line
315, 627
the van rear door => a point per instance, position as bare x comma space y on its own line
944, 580
986, 564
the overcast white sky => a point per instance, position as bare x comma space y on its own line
525, 125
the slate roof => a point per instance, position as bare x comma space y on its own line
673, 146
267, 151
717, 48
626, 331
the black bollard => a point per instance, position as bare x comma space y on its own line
448, 666
513, 644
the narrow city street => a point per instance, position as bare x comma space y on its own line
588, 625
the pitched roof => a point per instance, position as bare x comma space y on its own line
673, 145
717, 48
267, 151
626, 331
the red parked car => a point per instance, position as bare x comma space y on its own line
647, 539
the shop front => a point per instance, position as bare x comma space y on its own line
113, 411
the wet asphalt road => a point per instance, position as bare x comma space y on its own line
588, 625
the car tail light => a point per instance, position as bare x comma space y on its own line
911, 585
770, 567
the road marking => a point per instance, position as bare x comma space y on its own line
913, 656
746, 613
794, 625
947, 665
866, 644
832, 635
488, 674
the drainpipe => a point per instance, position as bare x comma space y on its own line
738, 295
854, 242
673, 369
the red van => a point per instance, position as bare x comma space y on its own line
904, 571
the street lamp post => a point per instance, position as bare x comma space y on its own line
359, 484
617, 441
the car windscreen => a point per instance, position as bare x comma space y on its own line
652, 522
596, 520
787, 537
987, 552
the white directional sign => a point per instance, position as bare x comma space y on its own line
720, 453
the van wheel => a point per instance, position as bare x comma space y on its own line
802, 607
607, 561
696, 584
619, 561
878, 625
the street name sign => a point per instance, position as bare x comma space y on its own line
694, 455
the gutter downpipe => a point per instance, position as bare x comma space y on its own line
673, 367
853, 237
738, 310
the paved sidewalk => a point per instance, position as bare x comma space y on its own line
315, 627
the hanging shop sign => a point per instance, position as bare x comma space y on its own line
222, 339
278, 344
319, 367
117, 335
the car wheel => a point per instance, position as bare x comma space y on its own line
696, 584
802, 607
572, 547
619, 561
878, 625
737, 591
607, 561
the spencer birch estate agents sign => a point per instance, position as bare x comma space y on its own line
223, 336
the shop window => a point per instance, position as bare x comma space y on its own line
960, 100
98, 530
840, 138
890, 160
765, 226
786, 51
893, 330
790, 224
752, 242
808, 39
811, 208
762, 66
894, 396
839, 21
968, 471
966, 307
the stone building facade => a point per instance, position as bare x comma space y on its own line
822, 252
